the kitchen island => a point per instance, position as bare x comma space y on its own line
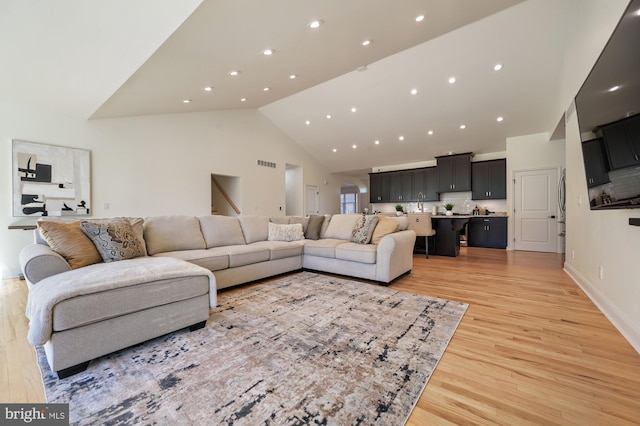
447, 238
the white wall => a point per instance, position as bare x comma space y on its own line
156, 165
598, 238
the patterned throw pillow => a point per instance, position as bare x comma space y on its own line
68, 240
280, 232
115, 239
363, 229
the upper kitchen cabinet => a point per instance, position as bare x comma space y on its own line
595, 162
454, 172
379, 187
489, 180
622, 142
426, 181
401, 187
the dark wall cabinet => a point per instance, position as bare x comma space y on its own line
488, 232
595, 162
489, 180
622, 142
454, 173
378, 187
426, 181
403, 186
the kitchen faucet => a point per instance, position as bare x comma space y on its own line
421, 202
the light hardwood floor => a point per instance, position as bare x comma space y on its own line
531, 349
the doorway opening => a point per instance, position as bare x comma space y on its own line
226, 195
293, 190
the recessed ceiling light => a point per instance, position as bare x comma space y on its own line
292, 76
401, 138
316, 23
430, 132
463, 126
497, 67
499, 119
377, 142
186, 101
266, 89
328, 116
234, 73
243, 99
419, 18
414, 91
268, 52
452, 80
307, 122
366, 42
614, 88
334, 150
208, 89
354, 146
353, 109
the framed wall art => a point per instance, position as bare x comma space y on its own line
50, 180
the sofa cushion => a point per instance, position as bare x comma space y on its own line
247, 254
363, 229
322, 248
254, 228
214, 259
402, 221
68, 240
304, 221
341, 225
221, 230
290, 232
314, 227
383, 227
114, 239
281, 220
355, 252
281, 249
172, 233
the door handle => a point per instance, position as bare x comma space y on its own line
553, 216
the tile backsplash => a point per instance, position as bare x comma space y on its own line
462, 204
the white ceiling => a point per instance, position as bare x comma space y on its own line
124, 58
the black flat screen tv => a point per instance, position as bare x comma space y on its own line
608, 109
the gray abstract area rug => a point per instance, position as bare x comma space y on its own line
301, 349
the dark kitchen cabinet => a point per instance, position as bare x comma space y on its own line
379, 187
595, 162
454, 173
622, 142
425, 181
490, 232
401, 187
489, 180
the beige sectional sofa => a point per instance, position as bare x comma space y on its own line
173, 266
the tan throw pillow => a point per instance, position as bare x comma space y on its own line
363, 229
384, 227
68, 240
314, 227
115, 240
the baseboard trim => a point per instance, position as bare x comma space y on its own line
611, 311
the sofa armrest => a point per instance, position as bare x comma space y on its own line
39, 261
395, 255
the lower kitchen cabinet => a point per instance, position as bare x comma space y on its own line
488, 232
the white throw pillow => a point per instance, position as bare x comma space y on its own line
281, 232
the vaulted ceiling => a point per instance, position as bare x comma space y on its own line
99, 60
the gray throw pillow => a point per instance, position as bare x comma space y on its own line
115, 240
314, 227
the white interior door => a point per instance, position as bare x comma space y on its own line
311, 200
535, 215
